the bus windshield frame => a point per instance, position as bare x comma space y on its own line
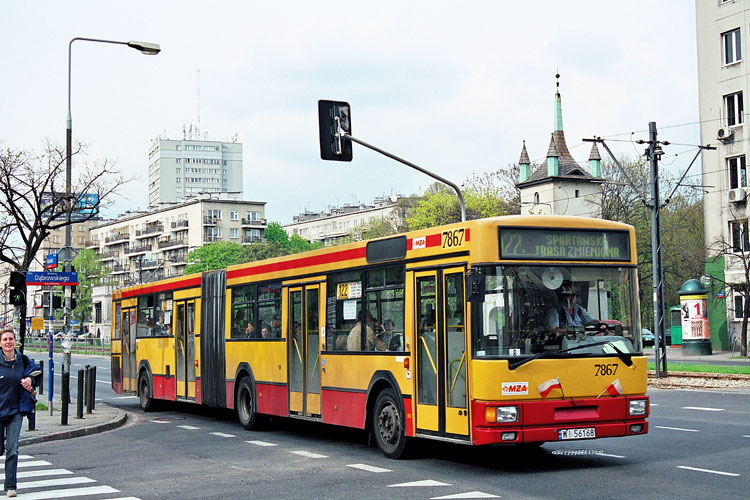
530, 309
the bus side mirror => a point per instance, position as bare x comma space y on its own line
475, 283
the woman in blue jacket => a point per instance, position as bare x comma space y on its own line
15, 401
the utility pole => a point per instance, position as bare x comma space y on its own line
654, 153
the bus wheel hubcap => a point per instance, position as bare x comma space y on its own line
388, 423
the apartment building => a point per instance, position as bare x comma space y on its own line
722, 27
179, 170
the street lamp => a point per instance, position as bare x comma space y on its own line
147, 48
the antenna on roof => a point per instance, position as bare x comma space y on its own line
198, 127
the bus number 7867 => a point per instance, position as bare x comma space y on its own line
453, 238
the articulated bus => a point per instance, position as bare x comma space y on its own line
517, 329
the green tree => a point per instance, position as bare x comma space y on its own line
274, 233
91, 273
216, 255
261, 250
489, 194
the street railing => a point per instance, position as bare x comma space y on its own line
82, 346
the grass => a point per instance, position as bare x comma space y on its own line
699, 368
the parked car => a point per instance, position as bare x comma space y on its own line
647, 337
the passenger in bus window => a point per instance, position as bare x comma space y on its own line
265, 333
249, 331
569, 314
276, 326
354, 342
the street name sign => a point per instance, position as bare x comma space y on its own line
51, 278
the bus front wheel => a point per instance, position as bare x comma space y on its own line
388, 424
144, 394
246, 406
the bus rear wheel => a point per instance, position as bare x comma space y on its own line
388, 425
246, 405
144, 394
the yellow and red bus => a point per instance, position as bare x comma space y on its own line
517, 329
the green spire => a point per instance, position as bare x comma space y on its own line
558, 105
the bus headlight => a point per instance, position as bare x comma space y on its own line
501, 414
638, 407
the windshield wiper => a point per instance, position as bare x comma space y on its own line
625, 357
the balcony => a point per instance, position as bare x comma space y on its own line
210, 221
251, 239
118, 269
138, 249
110, 254
253, 222
116, 238
209, 238
172, 243
176, 226
150, 264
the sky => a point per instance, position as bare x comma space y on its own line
454, 87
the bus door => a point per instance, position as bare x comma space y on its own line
129, 370
441, 360
304, 350
184, 346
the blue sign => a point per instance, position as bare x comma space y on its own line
74, 322
51, 278
50, 261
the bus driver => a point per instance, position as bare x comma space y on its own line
569, 313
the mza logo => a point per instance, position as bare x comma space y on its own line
417, 243
515, 388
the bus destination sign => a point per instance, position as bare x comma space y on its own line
541, 243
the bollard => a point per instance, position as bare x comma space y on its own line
89, 383
93, 387
86, 377
65, 397
32, 421
79, 396
40, 389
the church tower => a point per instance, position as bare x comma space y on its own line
559, 185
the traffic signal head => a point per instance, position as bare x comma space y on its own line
57, 302
334, 122
17, 283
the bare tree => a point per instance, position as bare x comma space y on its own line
33, 199
736, 252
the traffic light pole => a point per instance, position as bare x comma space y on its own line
50, 346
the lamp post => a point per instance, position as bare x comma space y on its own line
147, 48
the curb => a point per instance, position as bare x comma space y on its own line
73, 433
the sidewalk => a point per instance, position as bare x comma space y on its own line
726, 358
49, 428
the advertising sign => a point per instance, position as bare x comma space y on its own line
694, 318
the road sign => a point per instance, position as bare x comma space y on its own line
37, 323
50, 261
51, 278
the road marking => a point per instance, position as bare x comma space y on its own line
30, 463
425, 482
708, 470
159, 421
369, 468
68, 493
308, 454
63, 481
222, 435
43, 473
261, 443
654, 404
601, 454
470, 494
701, 408
675, 428
189, 427
126, 397
746, 435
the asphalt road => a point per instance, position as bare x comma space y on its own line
698, 447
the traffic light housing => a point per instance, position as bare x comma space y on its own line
334, 120
57, 302
17, 284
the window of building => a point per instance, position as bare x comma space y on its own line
234, 232
214, 213
739, 309
732, 46
739, 234
737, 172
733, 109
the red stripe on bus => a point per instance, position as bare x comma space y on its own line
343, 408
192, 282
316, 260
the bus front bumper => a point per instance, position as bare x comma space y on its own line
559, 420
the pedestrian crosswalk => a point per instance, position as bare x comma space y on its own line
41, 480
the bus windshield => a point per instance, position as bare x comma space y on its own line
529, 310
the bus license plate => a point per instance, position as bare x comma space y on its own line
585, 433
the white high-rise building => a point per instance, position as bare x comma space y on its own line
179, 170
722, 29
